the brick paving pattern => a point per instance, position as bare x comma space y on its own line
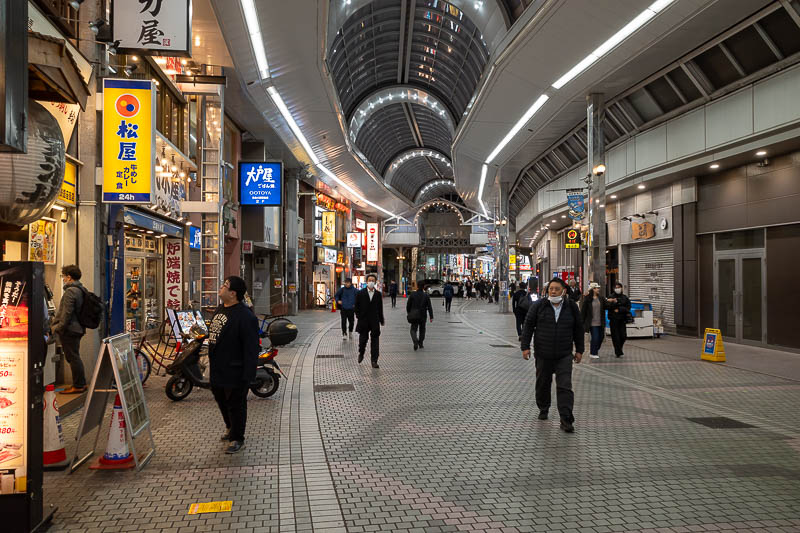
446, 439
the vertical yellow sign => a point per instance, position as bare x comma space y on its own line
329, 228
129, 141
67, 194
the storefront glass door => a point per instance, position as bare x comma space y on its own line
740, 295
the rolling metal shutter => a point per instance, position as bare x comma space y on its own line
651, 278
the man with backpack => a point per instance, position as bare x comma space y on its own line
416, 307
555, 325
67, 325
520, 303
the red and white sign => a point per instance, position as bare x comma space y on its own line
354, 240
173, 273
372, 242
360, 224
247, 247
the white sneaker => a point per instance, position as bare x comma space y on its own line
594, 356
344, 336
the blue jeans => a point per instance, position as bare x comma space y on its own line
597, 339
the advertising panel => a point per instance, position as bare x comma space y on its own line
573, 239
360, 224
42, 241
154, 25
260, 183
173, 272
330, 255
129, 141
329, 228
372, 242
67, 194
354, 240
195, 238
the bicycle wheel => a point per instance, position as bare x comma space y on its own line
143, 365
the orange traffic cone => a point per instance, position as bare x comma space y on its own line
55, 455
117, 455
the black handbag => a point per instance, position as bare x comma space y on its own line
414, 316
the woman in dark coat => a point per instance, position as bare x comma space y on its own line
594, 318
619, 308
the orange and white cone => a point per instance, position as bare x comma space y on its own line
55, 455
117, 455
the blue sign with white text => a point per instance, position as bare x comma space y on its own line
260, 183
195, 238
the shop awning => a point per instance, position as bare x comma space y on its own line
53, 74
142, 220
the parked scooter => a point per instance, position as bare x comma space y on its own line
188, 372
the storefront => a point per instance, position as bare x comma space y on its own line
153, 270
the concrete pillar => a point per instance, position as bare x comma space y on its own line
290, 243
400, 286
595, 117
502, 270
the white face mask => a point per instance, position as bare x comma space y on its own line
618, 290
555, 299
371, 284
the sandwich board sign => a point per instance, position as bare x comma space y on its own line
116, 371
713, 348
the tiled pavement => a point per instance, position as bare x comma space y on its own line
445, 439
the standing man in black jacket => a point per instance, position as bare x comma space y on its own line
619, 308
233, 355
68, 328
418, 303
369, 311
555, 325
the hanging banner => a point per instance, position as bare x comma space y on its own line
173, 272
575, 204
129, 140
154, 25
329, 228
372, 242
42, 241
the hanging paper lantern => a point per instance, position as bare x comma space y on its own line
29, 183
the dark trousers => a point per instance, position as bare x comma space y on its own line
520, 316
421, 327
447, 302
374, 345
348, 316
597, 339
394, 299
565, 398
71, 346
232, 402
619, 334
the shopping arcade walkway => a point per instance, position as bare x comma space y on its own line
445, 439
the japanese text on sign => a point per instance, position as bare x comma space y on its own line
372, 242
173, 272
260, 183
153, 25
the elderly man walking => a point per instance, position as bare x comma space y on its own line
555, 325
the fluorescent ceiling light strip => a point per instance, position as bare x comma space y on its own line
518, 126
484, 168
335, 178
287, 116
640, 20
256, 41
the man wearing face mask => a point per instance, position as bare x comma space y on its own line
619, 308
554, 324
369, 311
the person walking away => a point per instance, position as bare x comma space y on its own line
468, 286
520, 303
346, 300
448, 292
496, 291
594, 319
369, 312
619, 309
418, 303
233, 347
393, 293
68, 328
555, 325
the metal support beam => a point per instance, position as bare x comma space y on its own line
595, 116
502, 261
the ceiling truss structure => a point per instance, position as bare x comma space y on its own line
404, 72
766, 42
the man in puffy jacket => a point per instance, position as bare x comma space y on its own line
233, 356
555, 325
68, 328
346, 300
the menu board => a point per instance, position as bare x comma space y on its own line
183, 321
129, 382
14, 305
42, 241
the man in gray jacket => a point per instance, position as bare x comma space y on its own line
69, 329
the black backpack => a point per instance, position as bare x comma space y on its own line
91, 311
524, 302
